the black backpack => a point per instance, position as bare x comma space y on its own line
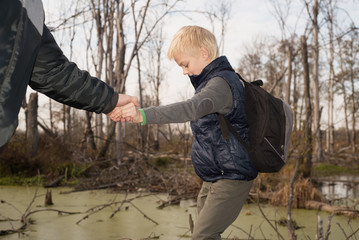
270, 125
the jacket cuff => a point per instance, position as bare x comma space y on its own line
111, 104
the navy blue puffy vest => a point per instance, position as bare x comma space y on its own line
213, 157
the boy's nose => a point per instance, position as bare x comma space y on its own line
185, 71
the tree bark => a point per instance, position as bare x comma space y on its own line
353, 110
88, 137
32, 136
330, 131
289, 74
307, 164
317, 148
100, 25
344, 91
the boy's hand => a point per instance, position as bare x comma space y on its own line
115, 115
130, 112
123, 99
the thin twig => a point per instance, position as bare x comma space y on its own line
144, 214
327, 233
23, 218
352, 234
268, 221
346, 237
249, 235
11, 205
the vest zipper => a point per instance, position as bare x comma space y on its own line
281, 156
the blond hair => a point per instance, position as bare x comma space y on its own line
190, 39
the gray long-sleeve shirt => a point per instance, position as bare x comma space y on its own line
215, 97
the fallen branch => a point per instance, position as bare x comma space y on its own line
314, 205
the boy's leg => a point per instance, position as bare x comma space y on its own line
202, 196
221, 207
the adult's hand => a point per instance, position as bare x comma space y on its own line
123, 99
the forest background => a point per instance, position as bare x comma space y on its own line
305, 51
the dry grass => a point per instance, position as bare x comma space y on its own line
303, 191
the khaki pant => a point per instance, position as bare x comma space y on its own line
218, 205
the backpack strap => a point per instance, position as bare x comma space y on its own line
256, 82
226, 128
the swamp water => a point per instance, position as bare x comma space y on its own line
345, 186
131, 223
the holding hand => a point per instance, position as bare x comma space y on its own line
130, 112
123, 99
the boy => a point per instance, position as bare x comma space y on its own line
223, 165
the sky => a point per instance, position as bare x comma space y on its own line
248, 21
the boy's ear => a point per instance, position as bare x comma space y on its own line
204, 52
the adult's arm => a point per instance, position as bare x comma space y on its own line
58, 78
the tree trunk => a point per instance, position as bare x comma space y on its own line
100, 25
353, 110
330, 132
68, 123
51, 116
289, 75
119, 67
295, 98
307, 164
88, 137
110, 135
118, 142
342, 82
318, 152
32, 137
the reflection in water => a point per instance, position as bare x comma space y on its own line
340, 187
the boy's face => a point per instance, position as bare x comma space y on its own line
193, 64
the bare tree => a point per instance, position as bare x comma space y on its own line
219, 12
307, 165
352, 53
32, 135
313, 15
281, 13
98, 14
330, 131
342, 77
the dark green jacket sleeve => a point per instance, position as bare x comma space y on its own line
58, 78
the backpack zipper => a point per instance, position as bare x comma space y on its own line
281, 156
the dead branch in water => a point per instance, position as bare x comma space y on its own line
314, 205
25, 220
290, 227
101, 207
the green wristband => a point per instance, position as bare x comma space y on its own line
143, 117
